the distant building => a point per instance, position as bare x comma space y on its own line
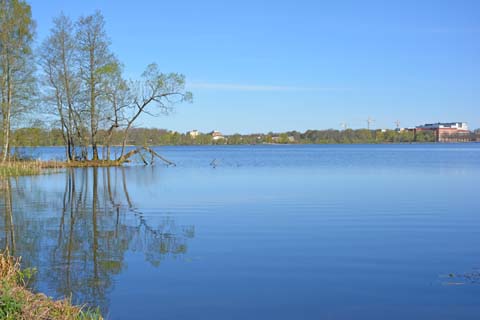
447, 131
405, 129
217, 135
193, 134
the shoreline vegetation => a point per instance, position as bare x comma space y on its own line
35, 137
15, 168
18, 302
36, 167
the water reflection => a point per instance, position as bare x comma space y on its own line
78, 237
9, 232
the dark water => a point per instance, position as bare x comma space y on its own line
273, 232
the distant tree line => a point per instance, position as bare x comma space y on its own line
74, 82
38, 136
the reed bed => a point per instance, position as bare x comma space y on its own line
26, 168
15, 169
19, 303
30, 168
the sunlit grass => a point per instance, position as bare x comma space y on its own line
28, 168
19, 303
15, 169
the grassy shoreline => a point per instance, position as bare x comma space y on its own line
17, 302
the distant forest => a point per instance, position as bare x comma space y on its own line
144, 136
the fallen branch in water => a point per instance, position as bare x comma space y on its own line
140, 151
213, 163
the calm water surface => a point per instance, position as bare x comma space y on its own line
273, 232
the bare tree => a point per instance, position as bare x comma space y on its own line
117, 94
95, 62
61, 81
155, 89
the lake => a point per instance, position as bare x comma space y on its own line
258, 232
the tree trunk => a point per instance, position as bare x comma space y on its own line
93, 127
125, 137
6, 138
6, 117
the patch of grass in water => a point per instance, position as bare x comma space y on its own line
20, 168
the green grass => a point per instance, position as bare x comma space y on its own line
17, 302
10, 307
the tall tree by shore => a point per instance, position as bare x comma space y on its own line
17, 82
57, 58
95, 62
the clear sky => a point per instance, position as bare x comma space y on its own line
259, 66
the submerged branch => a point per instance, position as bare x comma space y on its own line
140, 151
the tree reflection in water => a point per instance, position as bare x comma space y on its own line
80, 241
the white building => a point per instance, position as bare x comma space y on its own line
217, 135
193, 134
460, 126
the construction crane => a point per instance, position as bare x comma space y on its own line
370, 121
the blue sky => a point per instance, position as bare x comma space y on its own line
259, 66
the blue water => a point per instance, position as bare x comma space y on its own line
270, 232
